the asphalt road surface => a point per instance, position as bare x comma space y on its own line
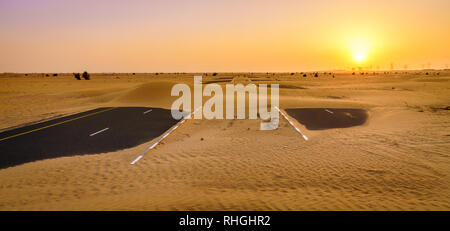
96, 131
326, 118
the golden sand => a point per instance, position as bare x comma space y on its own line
398, 160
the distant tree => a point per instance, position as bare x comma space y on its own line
55, 75
316, 75
156, 73
292, 73
46, 75
214, 74
77, 76
86, 75
304, 75
134, 73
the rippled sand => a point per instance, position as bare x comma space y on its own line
399, 159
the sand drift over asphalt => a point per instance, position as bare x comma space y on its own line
326, 118
95, 131
397, 160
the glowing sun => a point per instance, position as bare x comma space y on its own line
359, 57
360, 49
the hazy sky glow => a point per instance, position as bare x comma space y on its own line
208, 35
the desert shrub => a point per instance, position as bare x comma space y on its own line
353, 73
214, 74
77, 76
304, 75
86, 76
316, 75
46, 75
54, 75
156, 73
134, 73
292, 73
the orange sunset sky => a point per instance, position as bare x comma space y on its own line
223, 36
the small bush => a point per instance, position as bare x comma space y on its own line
214, 74
54, 75
77, 76
304, 75
46, 75
316, 75
86, 76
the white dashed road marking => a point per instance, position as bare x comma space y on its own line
329, 111
162, 138
296, 128
95, 133
145, 112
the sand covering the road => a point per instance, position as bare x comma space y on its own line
398, 160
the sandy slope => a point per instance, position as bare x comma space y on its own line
398, 160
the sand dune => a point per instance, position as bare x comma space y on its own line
398, 159
155, 94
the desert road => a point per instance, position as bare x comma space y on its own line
95, 131
111, 129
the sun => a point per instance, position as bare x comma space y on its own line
360, 49
359, 57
